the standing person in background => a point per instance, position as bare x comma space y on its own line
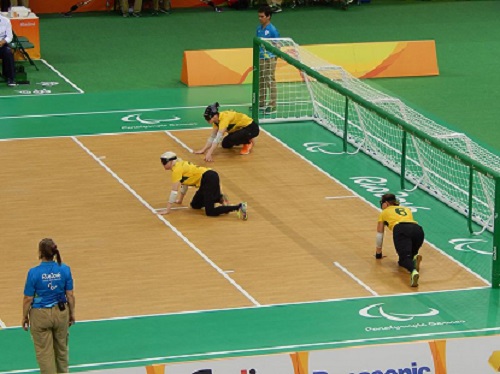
49, 308
185, 174
6, 55
165, 9
408, 235
240, 129
267, 63
136, 11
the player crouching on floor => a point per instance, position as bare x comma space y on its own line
240, 129
185, 174
407, 234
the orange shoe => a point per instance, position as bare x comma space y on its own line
246, 148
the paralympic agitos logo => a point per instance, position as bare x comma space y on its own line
377, 311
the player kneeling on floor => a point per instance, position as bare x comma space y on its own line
229, 128
206, 180
407, 234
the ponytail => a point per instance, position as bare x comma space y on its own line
48, 249
57, 254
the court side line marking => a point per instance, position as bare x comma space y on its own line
356, 279
371, 204
178, 141
340, 197
62, 76
231, 353
167, 223
279, 305
109, 111
173, 208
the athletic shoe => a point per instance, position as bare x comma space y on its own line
414, 278
276, 9
242, 212
224, 200
246, 148
270, 110
417, 259
136, 15
164, 11
218, 10
11, 83
125, 15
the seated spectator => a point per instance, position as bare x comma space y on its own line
25, 3
275, 5
8, 67
217, 8
165, 7
136, 10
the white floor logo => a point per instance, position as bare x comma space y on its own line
465, 245
318, 147
137, 118
376, 311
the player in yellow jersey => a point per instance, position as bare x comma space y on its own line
407, 234
206, 180
229, 128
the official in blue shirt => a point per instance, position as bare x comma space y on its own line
49, 309
267, 63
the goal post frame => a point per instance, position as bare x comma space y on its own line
406, 128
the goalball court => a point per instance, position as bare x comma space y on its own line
185, 286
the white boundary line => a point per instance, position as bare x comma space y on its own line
62, 76
167, 223
340, 197
48, 115
356, 279
265, 350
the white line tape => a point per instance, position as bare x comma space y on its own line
340, 197
355, 278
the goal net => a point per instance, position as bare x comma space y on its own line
446, 164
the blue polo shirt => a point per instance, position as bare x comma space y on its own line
48, 283
267, 32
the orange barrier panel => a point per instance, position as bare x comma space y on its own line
62, 6
362, 60
30, 28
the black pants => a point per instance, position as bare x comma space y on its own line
242, 136
209, 194
408, 238
8, 67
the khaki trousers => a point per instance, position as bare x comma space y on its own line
25, 3
49, 329
137, 6
166, 5
267, 82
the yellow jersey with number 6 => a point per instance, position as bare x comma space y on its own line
394, 214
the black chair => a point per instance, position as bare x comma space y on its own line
20, 44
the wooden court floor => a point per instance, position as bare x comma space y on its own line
96, 197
